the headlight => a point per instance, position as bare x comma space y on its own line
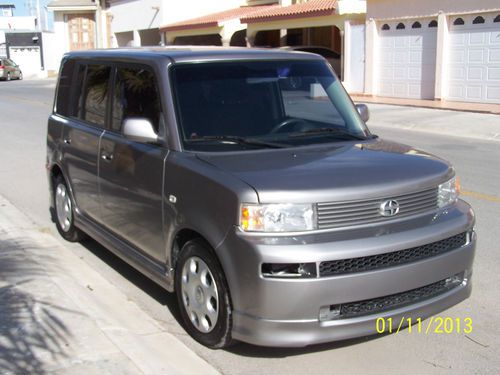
277, 217
448, 192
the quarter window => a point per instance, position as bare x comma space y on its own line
63, 90
95, 94
135, 95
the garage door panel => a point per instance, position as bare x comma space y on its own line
475, 56
412, 66
493, 93
474, 92
476, 73
476, 38
474, 60
494, 55
401, 57
495, 37
494, 74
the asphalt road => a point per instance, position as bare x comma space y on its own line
24, 107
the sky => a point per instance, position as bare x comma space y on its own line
22, 8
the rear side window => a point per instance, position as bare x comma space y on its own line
135, 95
63, 90
92, 104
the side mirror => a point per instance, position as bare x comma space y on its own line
363, 111
139, 129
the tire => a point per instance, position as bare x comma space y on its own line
203, 295
64, 213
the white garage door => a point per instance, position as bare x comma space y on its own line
407, 58
28, 59
474, 59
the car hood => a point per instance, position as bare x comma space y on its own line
334, 172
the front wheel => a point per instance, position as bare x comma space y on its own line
203, 295
64, 218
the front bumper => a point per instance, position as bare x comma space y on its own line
285, 312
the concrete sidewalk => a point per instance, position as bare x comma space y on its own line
468, 125
58, 315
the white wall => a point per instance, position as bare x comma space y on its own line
135, 15
179, 10
17, 23
60, 43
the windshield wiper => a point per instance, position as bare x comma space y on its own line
326, 131
238, 140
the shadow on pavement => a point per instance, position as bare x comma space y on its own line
137, 278
31, 333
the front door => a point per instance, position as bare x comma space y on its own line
81, 31
82, 134
130, 172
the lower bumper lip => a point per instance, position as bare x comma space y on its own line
300, 333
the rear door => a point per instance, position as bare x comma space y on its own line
82, 133
130, 172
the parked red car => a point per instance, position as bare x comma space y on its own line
9, 70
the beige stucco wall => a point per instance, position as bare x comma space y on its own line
386, 9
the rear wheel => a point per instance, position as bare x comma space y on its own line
203, 295
64, 218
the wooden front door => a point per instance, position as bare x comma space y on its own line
81, 31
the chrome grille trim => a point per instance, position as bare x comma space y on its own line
348, 213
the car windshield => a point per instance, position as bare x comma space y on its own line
228, 106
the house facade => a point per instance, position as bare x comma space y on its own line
338, 25
433, 49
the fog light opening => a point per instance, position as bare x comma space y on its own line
289, 270
329, 312
454, 280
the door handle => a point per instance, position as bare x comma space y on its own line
67, 141
106, 157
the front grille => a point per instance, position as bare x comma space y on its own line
374, 262
349, 213
380, 304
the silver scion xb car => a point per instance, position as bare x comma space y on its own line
271, 211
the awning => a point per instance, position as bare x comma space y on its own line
312, 8
216, 19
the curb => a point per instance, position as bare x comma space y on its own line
76, 321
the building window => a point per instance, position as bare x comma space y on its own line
416, 25
387, 27
458, 21
400, 26
433, 23
477, 20
497, 18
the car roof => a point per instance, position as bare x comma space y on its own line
192, 54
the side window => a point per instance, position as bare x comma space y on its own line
95, 95
63, 88
135, 95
